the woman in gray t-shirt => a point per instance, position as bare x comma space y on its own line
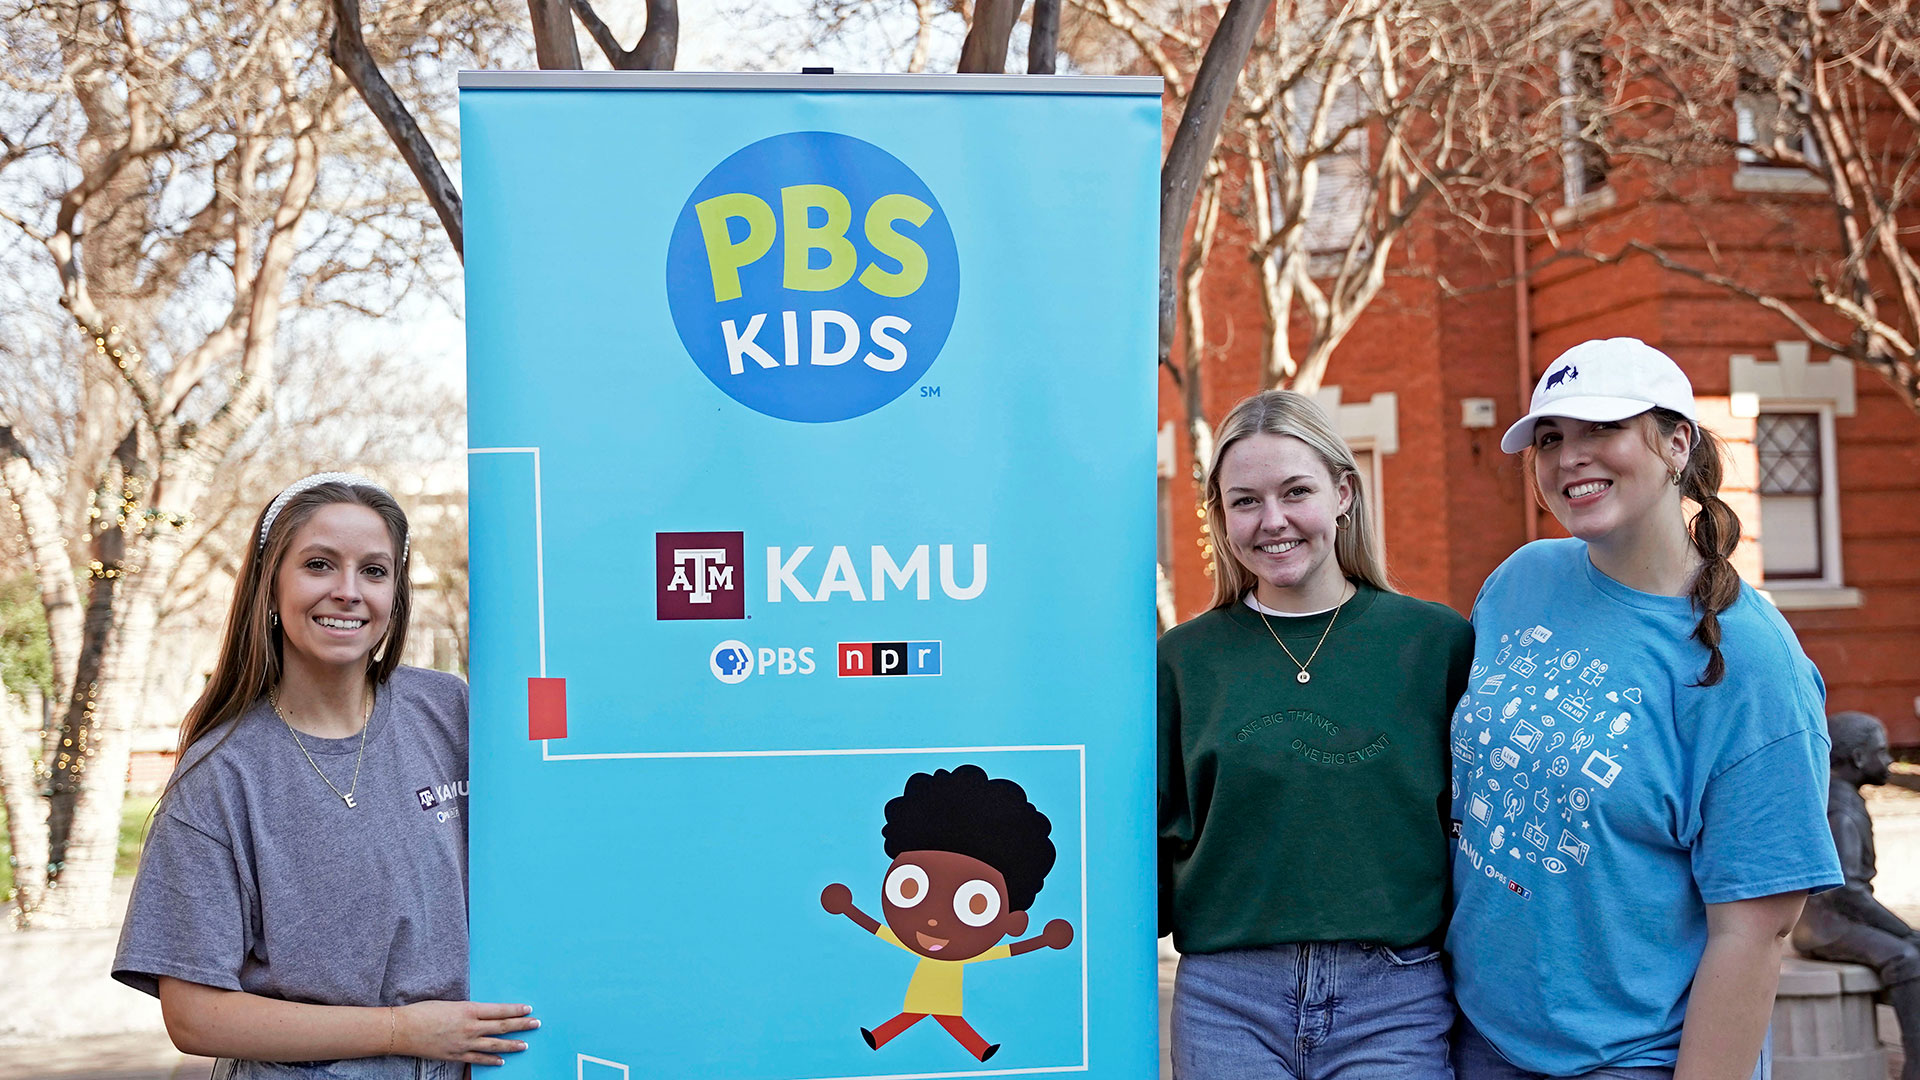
301, 902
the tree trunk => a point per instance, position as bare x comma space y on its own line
553, 44
26, 811
72, 737
50, 561
1193, 142
1045, 39
82, 893
1165, 614
985, 50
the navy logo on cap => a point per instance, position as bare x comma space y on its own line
1565, 374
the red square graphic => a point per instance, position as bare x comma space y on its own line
546, 709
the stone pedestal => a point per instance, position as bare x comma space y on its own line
1823, 1023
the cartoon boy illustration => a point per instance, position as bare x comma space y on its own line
969, 855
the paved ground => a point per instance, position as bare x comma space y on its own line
113, 1057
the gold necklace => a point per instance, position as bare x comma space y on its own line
1303, 677
366, 721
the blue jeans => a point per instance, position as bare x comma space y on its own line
1474, 1058
1337, 1010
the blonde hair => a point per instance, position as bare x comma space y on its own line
1283, 412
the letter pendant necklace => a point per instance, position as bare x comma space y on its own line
1303, 677
366, 721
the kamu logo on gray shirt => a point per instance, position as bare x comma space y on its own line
433, 795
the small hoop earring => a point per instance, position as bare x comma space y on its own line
1343, 520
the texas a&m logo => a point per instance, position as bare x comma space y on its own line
701, 575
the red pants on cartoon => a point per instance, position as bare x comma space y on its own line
961, 1031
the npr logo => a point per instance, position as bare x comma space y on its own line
888, 658
700, 575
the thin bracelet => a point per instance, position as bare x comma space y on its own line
391, 1023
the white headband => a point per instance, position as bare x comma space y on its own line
309, 483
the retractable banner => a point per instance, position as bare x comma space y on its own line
812, 538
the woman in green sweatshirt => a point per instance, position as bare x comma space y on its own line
1304, 777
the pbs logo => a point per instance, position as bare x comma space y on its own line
813, 277
731, 662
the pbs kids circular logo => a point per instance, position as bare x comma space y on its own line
813, 277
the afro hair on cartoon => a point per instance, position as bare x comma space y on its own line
966, 812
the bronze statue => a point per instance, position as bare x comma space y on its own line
1848, 924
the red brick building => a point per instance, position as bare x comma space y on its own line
1826, 459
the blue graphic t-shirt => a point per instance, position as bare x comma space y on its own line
1604, 801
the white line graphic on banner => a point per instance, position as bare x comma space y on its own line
1079, 749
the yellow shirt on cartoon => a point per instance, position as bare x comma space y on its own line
935, 986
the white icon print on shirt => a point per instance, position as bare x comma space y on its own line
1608, 771
1527, 736
1573, 847
1545, 699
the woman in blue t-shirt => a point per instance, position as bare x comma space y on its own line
1639, 761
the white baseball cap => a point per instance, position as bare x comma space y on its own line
1605, 379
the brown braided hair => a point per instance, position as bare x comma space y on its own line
1715, 531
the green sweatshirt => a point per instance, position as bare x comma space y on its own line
1308, 812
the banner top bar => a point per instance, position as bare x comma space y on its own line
865, 82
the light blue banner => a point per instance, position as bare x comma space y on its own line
811, 569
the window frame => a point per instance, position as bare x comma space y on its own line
1753, 173
1334, 199
1831, 576
1579, 192
1372, 491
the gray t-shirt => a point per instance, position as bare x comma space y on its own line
256, 877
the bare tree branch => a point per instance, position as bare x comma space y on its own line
553, 44
1823, 96
657, 45
1193, 140
348, 49
1044, 42
985, 50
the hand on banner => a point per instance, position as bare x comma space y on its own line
212, 1022
468, 1031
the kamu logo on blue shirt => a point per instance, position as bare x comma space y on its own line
813, 277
